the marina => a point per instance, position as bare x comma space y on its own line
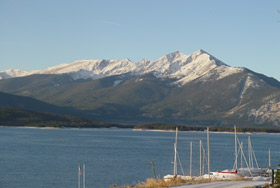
251, 171
49, 157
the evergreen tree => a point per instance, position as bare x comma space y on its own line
277, 178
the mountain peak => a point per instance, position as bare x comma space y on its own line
207, 55
200, 52
174, 65
175, 53
174, 56
127, 59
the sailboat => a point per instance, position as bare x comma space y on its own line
250, 169
225, 174
175, 164
176, 156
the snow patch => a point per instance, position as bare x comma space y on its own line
12, 73
139, 80
250, 83
270, 111
183, 68
117, 82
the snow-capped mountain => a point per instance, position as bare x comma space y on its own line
183, 68
11, 73
176, 88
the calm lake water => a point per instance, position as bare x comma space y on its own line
48, 158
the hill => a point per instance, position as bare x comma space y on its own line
24, 118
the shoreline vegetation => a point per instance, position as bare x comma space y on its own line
161, 183
10, 117
219, 129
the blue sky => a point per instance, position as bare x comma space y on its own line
35, 34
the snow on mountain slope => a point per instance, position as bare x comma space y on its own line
187, 67
205, 67
91, 68
183, 68
12, 73
269, 111
165, 66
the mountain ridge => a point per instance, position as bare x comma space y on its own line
176, 88
174, 65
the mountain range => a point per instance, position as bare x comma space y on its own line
184, 68
196, 89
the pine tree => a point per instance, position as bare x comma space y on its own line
277, 178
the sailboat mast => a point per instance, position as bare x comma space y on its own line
200, 157
208, 148
235, 151
250, 153
191, 159
79, 176
175, 153
203, 160
269, 162
241, 161
84, 176
242, 154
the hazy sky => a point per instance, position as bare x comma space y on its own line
35, 34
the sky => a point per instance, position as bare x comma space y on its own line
36, 34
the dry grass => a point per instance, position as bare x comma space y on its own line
155, 183
238, 179
160, 183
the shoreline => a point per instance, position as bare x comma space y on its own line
30, 127
216, 132
48, 127
137, 129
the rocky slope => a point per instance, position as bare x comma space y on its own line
176, 88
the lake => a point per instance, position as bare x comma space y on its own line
44, 158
